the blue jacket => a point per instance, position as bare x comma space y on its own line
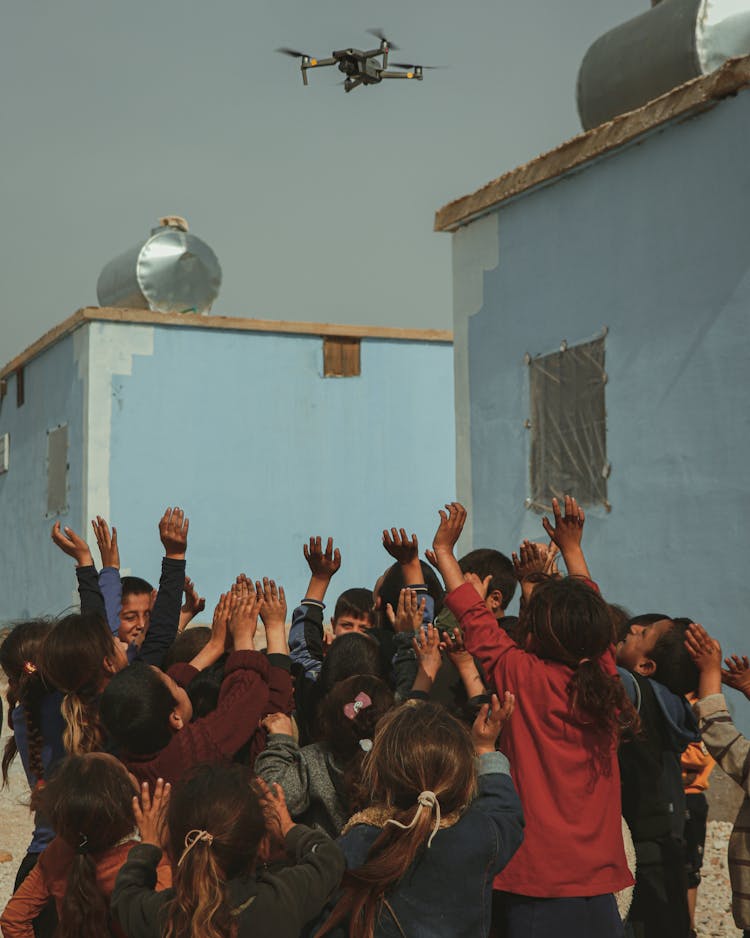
447, 893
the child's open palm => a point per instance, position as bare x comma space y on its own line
490, 721
149, 812
737, 673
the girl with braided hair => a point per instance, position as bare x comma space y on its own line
34, 716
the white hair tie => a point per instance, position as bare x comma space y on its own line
191, 839
426, 799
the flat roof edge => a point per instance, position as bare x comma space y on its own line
229, 323
696, 95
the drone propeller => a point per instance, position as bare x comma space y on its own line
379, 34
293, 53
413, 68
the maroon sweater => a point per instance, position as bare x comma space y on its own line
252, 687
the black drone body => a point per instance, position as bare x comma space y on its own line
367, 67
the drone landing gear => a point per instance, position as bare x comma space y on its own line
351, 83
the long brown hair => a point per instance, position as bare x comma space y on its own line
418, 747
89, 802
19, 658
566, 620
73, 659
218, 803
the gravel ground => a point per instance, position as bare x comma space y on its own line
713, 916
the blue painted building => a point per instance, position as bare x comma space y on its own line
264, 432
633, 239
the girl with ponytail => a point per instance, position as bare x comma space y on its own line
216, 827
444, 819
78, 657
562, 745
89, 802
34, 717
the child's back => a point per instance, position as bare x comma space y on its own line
421, 860
564, 765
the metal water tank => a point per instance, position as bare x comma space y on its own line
666, 46
171, 272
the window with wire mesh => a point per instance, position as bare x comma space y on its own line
568, 426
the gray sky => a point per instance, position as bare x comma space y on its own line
319, 204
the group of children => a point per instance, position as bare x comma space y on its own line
428, 766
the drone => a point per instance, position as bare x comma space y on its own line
361, 68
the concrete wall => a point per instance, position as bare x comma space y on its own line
654, 243
242, 430
34, 578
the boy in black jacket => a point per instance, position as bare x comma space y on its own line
657, 673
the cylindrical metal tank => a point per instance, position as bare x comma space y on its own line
667, 45
172, 272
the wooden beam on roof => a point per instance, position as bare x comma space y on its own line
693, 97
228, 323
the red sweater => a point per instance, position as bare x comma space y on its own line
251, 685
49, 878
571, 801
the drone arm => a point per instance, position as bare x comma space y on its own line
387, 74
314, 63
351, 83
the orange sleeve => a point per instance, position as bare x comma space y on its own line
697, 765
24, 906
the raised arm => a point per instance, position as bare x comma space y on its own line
306, 633
88, 584
405, 552
567, 532
722, 738
193, 605
165, 616
109, 576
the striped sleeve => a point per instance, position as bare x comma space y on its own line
722, 738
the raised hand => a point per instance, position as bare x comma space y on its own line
72, 545
568, 528
149, 812
409, 612
275, 811
481, 586
273, 610
273, 615
427, 647
243, 622
173, 531
453, 643
706, 653
193, 603
530, 559
737, 673
107, 543
449, 530
567, 532
431, 558
490, 721
398, 545
704, 650
323, 564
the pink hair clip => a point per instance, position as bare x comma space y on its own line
360, 702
